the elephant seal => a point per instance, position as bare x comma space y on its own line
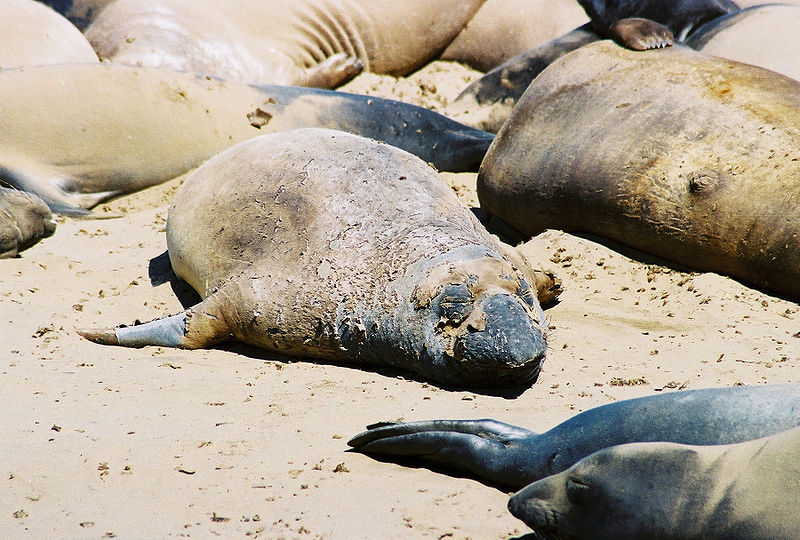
317, 243
502, 29
512, 457
663, 490
24, 220
712, 186
320, 43
77, 135
767, 36
652, 24
34, 34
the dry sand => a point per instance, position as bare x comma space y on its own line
104, 441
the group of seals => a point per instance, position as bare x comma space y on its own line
320, 43
76, 135
321, 244
698, 165
611, 488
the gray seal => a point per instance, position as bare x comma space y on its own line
512, 457
321, 244
662, 490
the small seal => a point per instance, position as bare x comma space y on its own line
317, 243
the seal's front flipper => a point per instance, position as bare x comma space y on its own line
197, 327
333, 71
481, 447
641, 34
50, 186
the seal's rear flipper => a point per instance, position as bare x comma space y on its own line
199, 326
641, 34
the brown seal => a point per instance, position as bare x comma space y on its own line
318, 43
24, 220
317, 243
689, 157
668, 490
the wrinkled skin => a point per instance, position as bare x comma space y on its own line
361, 254
662, 490
694, 159
320, 43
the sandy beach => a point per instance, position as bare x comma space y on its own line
102, 442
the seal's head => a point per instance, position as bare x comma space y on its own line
638, 490
484, 315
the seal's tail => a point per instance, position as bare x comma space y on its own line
199, 326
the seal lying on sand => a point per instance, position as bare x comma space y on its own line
34, 35
77, 135
694, 159
512, 457
24, 220
766, 36
663, 490
316, 243
639, 25
320, 43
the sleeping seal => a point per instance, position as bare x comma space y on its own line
24, 220
77, 135
317, 243
512, 457
767, 36
694, 159
665, 490
320, 43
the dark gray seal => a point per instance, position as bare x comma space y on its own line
321, 244
79, 134
24, 220
662, 490
512, 457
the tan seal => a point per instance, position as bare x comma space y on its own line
317, 243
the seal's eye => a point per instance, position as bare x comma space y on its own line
578, 492
456, 303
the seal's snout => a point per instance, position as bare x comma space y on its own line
502, 336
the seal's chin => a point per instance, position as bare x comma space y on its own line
503, 343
